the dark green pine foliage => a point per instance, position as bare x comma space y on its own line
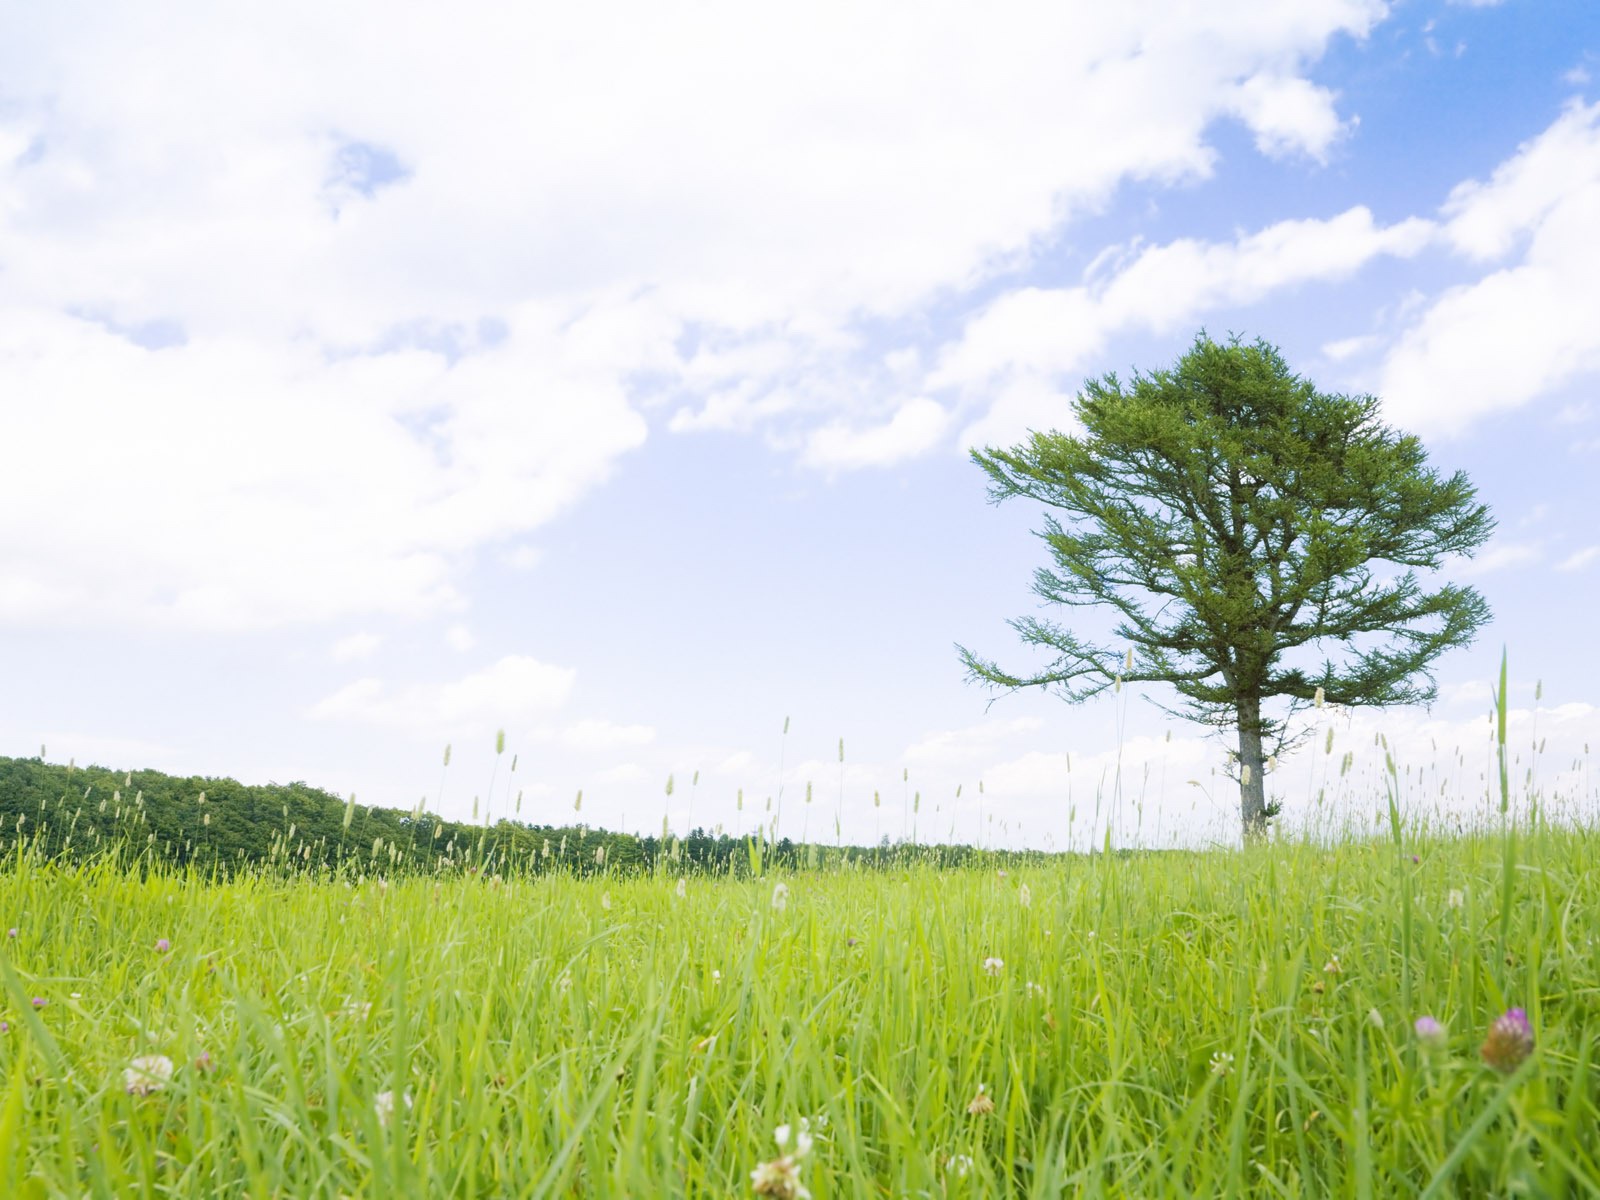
1255, 539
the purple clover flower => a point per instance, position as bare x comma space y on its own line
39, 1002
1429, 1032
1510, 1041
162, 945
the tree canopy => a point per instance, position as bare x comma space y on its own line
1256, 539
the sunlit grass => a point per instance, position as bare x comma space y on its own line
1213, 1023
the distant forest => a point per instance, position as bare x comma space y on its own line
219, 826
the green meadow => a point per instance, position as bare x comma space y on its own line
1176, 1024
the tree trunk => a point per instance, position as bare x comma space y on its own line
1252, 786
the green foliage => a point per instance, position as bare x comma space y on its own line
220, 826
1165, 1026
1256, 539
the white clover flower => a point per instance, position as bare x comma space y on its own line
993, 966
148, 1074
384, 1104
958, 1165
781, 1176
1221, 1063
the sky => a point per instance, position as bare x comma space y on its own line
378, 377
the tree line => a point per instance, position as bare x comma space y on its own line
220, 826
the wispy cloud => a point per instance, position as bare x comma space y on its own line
355, 646
1500, 556
1579, 559
512, 692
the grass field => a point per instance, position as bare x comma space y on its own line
1165, 1025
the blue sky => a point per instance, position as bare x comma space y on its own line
377, 380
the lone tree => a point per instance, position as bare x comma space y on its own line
1259, 541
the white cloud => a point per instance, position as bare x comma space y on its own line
1523, 330
460, 638
1485, 219
1041, 334
623, 773
968, 747
593, 736
127, 753
1289, 115
394, 330
356, 646
1349, 347
511, 692
915, 428
261, 484
522, 557
1499, 556
1579, 559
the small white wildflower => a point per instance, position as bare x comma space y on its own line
383, 1104
1456, 898
958, 1165
1033, 989
683, 887
716, 976
148, 1074
780, 896
1221, 1063
993, 966
779, 1178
